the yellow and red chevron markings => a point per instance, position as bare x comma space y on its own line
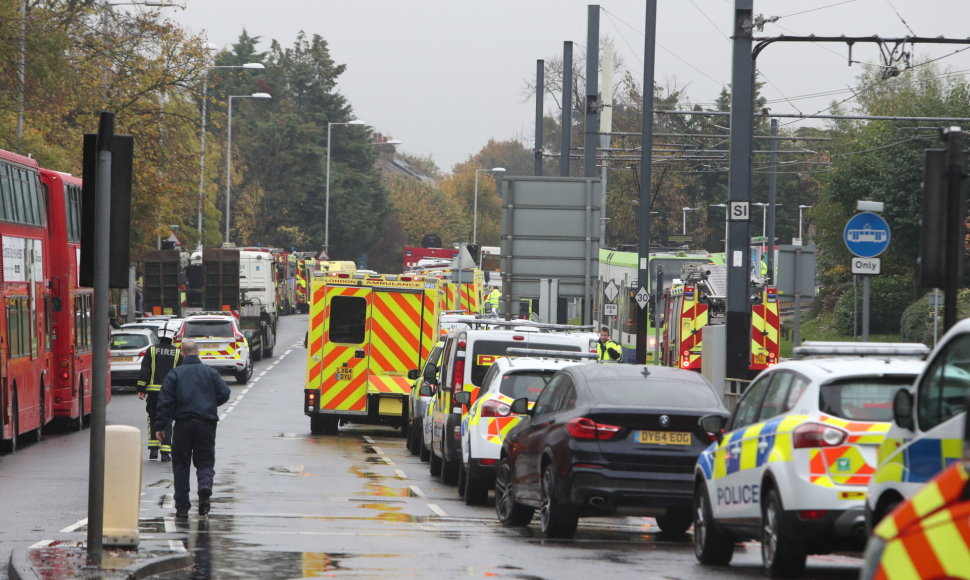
693, 319
765, 331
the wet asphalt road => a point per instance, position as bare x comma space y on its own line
288, 504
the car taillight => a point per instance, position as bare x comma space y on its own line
458, 374
238, 337
586, 428
142, 353
495, 408
817, 435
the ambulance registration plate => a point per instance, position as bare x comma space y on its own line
664, 437
344, 375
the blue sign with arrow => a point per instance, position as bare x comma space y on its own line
866, 235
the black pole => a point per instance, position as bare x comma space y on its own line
591, 129
99, 312
567, 108
772, 197
738, 320
646, 175
956, 213
540, 106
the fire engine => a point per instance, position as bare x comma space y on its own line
366, 331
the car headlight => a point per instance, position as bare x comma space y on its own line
870, 562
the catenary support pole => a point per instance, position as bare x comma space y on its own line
646, 175
772, 197
566, 123
540, 109
592, 90
738, 320
99, 326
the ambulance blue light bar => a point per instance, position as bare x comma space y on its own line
885, 349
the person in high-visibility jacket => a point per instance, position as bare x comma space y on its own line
606, 349
493, 302
159, 359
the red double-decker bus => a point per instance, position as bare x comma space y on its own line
71, 340
25, 327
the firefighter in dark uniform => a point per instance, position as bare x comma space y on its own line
159, 359
191, 395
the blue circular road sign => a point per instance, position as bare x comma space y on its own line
866, 235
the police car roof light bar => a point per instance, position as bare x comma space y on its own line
892, 349
549, 353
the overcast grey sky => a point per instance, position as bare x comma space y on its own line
445, 76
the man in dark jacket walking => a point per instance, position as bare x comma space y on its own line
191, 395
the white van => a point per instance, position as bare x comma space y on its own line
927, 431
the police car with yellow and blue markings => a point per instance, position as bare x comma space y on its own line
926, 435
791, 465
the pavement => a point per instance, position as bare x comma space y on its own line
158, 551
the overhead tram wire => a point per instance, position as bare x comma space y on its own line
901, 19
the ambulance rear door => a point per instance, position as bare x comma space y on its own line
346, 334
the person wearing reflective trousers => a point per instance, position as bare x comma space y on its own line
191, 395
606, 349
156, 363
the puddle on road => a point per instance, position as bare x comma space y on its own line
380, 459
361, 472
385, 491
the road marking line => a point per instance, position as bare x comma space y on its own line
176, 546
74, 527
400, 474
437, 510
42, 544
377, 449
416, 491
368, 439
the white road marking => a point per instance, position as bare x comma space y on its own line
400, 474
416, 491
376, 449
42, 544
368, 439
437, 510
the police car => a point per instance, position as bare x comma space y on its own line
926, 434
484, 426
221, 343
791, 465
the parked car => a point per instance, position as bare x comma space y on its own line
128, 348
467, 355
791, 466
926, 435
221, 344
602, 438
418, 403
928, 535
484, 426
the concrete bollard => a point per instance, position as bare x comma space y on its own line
122, 485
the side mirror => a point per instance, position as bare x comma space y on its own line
521, 406
903, 409
462, 398
430, 374
426, 391
413, 374
713, 424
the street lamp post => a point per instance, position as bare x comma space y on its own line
203, 123
326, 210
229, 151
475, 203
800, 209
683, 227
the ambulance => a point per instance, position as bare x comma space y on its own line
366, 331
926, 434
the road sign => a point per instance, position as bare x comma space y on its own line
611, 291
610, 309
642, 297
866, 235
739, 211
865, 265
